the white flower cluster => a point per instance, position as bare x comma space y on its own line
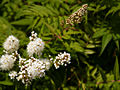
33, 36
7, 62
62, 59
13, 74
11, 44
31, 68
22, 74
35, 46
76, 17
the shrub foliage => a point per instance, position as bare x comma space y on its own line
93, 43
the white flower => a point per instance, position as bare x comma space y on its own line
21, 61
12, 74
35, 47
62, 59
23, 76
47, 63
37, 69
19, 77
7, 62
33, 36
31, 69
11, 44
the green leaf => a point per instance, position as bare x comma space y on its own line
53, 83
99, 33
90, 46
116, 69
71, 32
86, 37
70, 88
116, 86
116, 40
67, 46
46, 38
76, 46
22, 22
93, 73
50, 28
113, 9
87, 51
6, 83
105, 40
66, 37
82, 43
